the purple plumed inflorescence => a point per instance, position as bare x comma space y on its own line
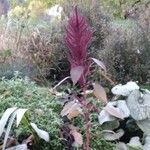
78, 37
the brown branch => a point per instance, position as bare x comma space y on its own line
107, 78
88, 131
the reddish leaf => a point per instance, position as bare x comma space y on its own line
76, 73
99, 63
99, 92
114, 111
78, 37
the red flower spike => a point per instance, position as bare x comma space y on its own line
78, 37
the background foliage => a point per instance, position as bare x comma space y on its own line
35, 40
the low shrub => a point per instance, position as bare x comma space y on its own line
43, 111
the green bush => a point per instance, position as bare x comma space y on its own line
126, 52
43, 109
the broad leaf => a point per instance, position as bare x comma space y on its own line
144, 125
99, 63
99, 92
41, 133
122, 105
146, 145
111, 135
126, 89
111, 125
20, 114
10, 123
76, 73
139, 105
5, 118
114, 111
104, 116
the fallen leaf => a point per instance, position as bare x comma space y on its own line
114, 111
73, 114
99, 92
76, 73
78, 139
71, 109
28, 140
99, 63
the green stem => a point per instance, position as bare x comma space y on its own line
35, 136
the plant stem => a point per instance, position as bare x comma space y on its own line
87, 121
35, 136
61, 82
88, 132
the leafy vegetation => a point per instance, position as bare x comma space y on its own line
43, 109
69, 66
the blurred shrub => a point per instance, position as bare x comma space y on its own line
36, 46
118, 7
39, 43
45, 48
4, 7
126, 50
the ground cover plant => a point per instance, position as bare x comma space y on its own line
43, 110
